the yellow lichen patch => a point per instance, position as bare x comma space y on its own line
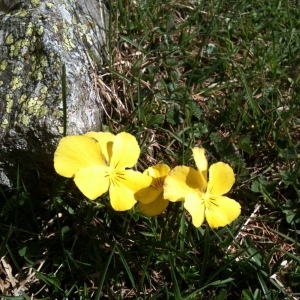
16, 83
30, 111
29, 29
60, 129
49, 5
10, 39
55, 28
83, 28
23, 119
83, 71
3, 65
44, 90
29, 107
74, 20
89, 39
55, 83
9, 102
65, 26
22, 99
12, 49
39, 75
68, 44
21, 13
44, 61
57, 63
32, 102
35, 3
40, 30
35, 107
38, 66
42, 111
26, 42
9, 105
4, 123
8, 97
17, 70
58, 114
67, 40
33, 40
1, 82
15, 49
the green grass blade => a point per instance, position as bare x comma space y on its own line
264, 287
12, 297
103, 276
64, 97
145, 272
3, 244
206, 253
176, 289
126, 266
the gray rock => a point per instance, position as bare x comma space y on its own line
38, 37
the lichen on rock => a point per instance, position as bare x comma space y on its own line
38, 37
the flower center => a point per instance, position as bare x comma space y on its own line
207, 199
158, 183
111, 173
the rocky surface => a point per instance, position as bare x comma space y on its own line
38, 37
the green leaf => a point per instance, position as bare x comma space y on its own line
244, 144
173, 115
226, 150
154, 121
50, 280
222, 295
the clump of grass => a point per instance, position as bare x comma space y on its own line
215, 74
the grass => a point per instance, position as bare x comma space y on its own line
223, 75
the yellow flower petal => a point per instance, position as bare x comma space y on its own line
181, 181
121, 197
194, 205
157, 171
221, 211
134, 180
149, 194
92, 181
154, 208
126, 151
76, 152
105, 140
221, 179
158, 174
124, 185
201, 161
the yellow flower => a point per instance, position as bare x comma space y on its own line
98, 161
204, 199
151, 200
